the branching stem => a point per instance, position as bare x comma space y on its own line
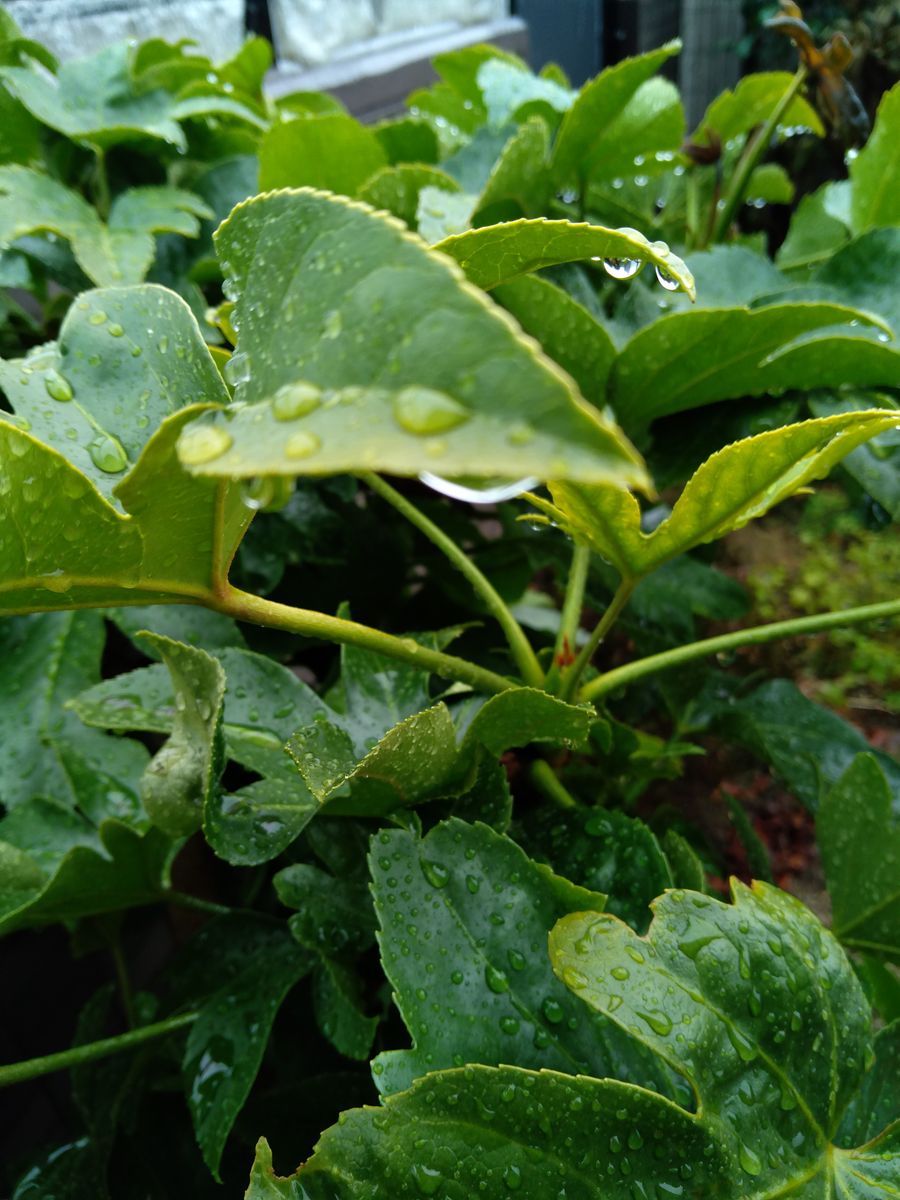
589, 649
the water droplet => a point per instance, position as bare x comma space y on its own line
669, 282
107, 454
436, 873
332, 325
202, 443
57, 387
487, 495
423, 411
512, 1177
258, 493
509, 1025
496, 980
622, 268
749, 1160
301, 445
163, 345
620, 973
115, 330
473, 883
457, 978
574, 979
295, 400
553, 1011
97, 318
658, 1022
427, 1179
516, 960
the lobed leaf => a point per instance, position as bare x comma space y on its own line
389, 362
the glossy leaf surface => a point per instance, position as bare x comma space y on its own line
875, 172
858, 827
772, 1075
389, 362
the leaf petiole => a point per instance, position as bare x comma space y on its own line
589, 649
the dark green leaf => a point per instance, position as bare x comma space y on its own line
338, 1009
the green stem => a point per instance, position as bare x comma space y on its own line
522, 652
245, 607
570, 618
183, 900
31, 1068
589, 649
102, 194
125, 992
752, 156
755, 636
547, 781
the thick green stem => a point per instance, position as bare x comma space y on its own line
796, 627
570, 618
522, 652
102, 196
245, 607
589, 649
31, 1068
547, 781
751, 159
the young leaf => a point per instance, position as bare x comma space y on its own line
735, 113
118, 252
814, 233
777, 1032
492, 1131
397, 189
858, 829
690, 359
463, 940
739, 483
226, 1043
181, 780
499, 253
330, 151
509, 92
146, 528
875, 172
437, 378
588, 128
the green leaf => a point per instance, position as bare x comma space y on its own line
114, 253
588, 128
567, 332
58, 865
48, 659
397, 189
180, 622
519, 184
226, 1043
331, 151
338, 1008
734, 113
507, 88
864, 274
738, 484
878, 1101
690, 359
407, 140
440, 214
771, 184
525, 715
808, 746
651, 123
463, 944
858, 829
96, 421
875, 172
181, 780
684, 862
814, 233
777, 1032
498, 253
605, 851
334, 915
437, 377
492, 1131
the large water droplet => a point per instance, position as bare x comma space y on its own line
749, 1160
496, 980
258, 493
107, 454
512, 1177
202, 443
436, 873
669, 282
428, 1180
487, 495
57, 387
295, 400
423, 411
622, 268
658, 1022
301, 445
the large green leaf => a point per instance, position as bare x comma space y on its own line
120, 251
568, 333
878, 1101
755, 1003
864, 274
588, 128
496, 1131
689, 359
332, 151
463, 944
651, 123
377, 355
754, 99
57, 864
226, 1043
875, 172
96, 421
814, 233
46, 751
94, 100
858, 828
499, 253
739, 483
